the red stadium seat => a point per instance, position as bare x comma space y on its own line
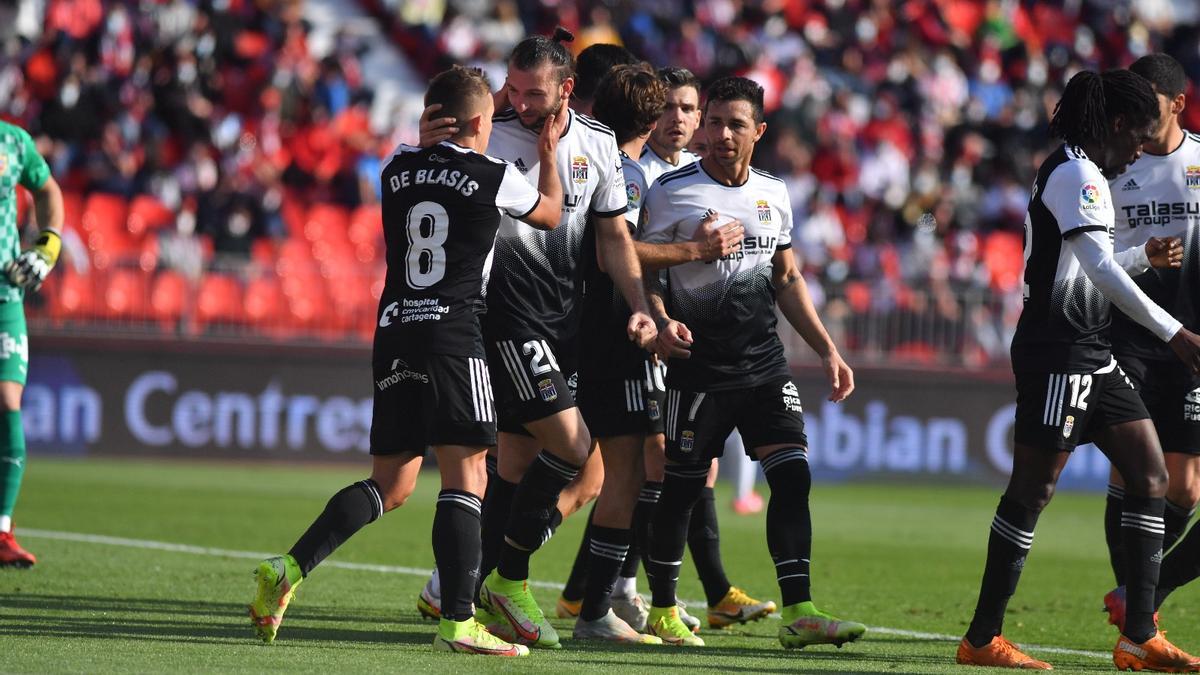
366, 225
104, 212
219, 301
73, 296
126, 296
147, 214
168, 298
265, 304
1003, 255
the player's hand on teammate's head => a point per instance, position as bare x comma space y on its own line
674, 341
434, 130
717, 241
1186, 346
840, 377
641, 329
552, 130
1165, 252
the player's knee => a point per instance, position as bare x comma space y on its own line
395, 493
1186, 495
1151, 482
1032, 497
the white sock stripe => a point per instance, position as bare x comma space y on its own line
559, 466
375, 494
659, 562
616, 557
1013, 540
1160, 531
1116, 491
775, 459
594, 543
1024, 534
1180, 510
1131, 515
460, 495
459, 499
686, 471
789, 576
1013, 534
784, 562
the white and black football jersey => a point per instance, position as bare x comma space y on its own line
1159, 196
1064, 323
605, 349
441, 210
656, 166
729, 304
532, 290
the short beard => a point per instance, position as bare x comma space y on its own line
541, 121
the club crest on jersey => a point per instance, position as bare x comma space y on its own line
1068, 425
579, 169
548, 391
652, 410
1089, 197
687, 440
1191, 177
764, 211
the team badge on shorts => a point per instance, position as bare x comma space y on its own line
1068, 426
686, 441
548, 391
652, 410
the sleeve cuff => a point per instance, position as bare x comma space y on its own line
531, 209
783, 247
611, 214
1084, 228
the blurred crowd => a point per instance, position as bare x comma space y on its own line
908, 132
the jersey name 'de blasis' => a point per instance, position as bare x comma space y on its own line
1065, 319
1159, 196
441, 210
656, 166
729, 303
605, 349
533, 288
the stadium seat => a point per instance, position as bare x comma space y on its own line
168, 298
126, 295
327, 222
104, 212
1003, 255
147, 214
73, 296
219, 301
366, 225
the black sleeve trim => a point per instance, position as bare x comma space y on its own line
783, 247
531, 209
1084, 228
611, 214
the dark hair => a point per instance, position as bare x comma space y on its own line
737, 89
456, 90
630, 99
1092, 100
594, 63
1164, 72
535, 50
675, 78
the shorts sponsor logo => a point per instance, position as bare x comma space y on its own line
1191, 177
687, 440
791, 398
652, 410
1191, 406
10, 347
401, 372
573, 384
1068, 426
1089, 197
579, 169
548, 391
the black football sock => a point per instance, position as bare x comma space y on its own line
1142, 536
573, 590
1176, 519
456, 547
704, 542
1112, 530
646, 506
1181, 565
346, 513
497, 504
668, 529
534, 505
789, 523
1008, 545
607, 550
640, 524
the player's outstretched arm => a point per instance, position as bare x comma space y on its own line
548, 213
791, 294
1093, 250
710, 242
615, 250
30, 269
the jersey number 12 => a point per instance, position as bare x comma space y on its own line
427, 228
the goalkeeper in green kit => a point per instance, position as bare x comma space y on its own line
20, 164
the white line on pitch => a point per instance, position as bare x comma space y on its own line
423, 572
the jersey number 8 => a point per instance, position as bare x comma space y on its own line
427, 228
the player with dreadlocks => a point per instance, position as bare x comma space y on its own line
1070, 389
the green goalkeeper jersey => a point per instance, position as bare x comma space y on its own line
20, 164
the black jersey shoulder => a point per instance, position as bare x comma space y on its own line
689, 170
594, 125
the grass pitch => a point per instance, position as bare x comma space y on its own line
110, 593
